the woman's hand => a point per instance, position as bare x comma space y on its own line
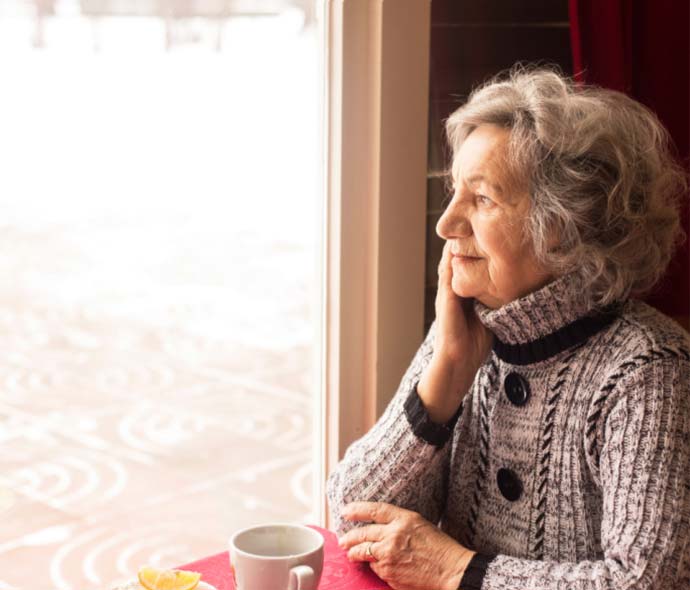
460, 337
407, 551
461, 346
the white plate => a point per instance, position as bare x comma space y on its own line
134, 585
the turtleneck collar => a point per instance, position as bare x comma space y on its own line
544, 322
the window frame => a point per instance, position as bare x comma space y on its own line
374, 174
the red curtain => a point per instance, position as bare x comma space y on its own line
642, 48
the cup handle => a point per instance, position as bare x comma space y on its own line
301, 578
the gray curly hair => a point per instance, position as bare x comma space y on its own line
600, 174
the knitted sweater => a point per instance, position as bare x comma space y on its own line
568, 463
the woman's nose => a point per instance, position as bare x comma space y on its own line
453, 223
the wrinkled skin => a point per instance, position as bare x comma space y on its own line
460, 336
409, 552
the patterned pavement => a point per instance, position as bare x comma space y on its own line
158, 250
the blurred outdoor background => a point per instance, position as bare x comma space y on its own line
159, 296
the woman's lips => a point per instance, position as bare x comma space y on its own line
465, 258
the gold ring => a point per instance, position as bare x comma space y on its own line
369, 553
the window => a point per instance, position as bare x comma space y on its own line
159, 231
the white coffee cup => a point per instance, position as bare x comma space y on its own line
276, 557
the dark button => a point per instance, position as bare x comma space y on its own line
517, 388
509, 484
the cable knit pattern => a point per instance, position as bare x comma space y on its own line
583, 485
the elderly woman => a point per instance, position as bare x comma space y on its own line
540, 439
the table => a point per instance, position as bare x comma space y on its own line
338, 572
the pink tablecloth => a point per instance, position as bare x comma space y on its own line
338, 572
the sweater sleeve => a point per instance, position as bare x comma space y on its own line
645, 479
402, 460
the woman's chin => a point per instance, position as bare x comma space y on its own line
462, 288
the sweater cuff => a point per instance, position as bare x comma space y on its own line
476, 570
429, 431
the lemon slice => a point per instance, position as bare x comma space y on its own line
155, 579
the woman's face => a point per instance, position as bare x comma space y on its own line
484, 224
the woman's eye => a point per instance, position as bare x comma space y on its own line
484, 200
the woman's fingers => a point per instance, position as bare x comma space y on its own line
445, 277
364, 552
379, 512
372, 532
445, 268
